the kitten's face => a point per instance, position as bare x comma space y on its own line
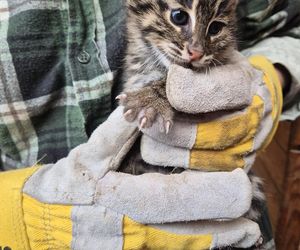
191, 33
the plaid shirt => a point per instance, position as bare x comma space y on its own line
57, 67
56, 78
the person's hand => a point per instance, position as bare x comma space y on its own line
220, 141
76, 178
193, 207
83, 199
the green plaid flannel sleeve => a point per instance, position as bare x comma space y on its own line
259, 19
272, 28
57, 63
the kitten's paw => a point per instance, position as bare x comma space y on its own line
147, 106
164, 117
131, 106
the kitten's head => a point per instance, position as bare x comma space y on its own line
191, 33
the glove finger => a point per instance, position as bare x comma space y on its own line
159, 154
189, 196
240, 233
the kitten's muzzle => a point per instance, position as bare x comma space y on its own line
195, 54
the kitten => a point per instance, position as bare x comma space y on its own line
196, 34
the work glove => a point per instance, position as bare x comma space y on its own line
239, 109
82, 201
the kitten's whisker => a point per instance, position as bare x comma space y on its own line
214, 63
218, 61
209, 70
150, 64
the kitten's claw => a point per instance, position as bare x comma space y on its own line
143, 123
128, 113
259, 242
167, 127
121, 97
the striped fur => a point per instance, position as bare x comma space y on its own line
154, 43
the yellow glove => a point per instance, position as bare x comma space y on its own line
221, 140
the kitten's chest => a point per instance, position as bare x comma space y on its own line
143, 71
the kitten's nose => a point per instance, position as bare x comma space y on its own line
195, 54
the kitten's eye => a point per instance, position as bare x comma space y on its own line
215, 28
179, 17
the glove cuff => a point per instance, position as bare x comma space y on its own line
272, 82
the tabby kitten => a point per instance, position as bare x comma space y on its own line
196, 34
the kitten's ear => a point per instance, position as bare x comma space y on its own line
227, 6
233, 4
129, 2
132, 1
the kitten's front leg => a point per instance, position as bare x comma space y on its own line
147, 104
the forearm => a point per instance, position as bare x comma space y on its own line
284, 53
